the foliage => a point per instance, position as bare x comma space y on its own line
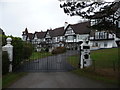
47, 49
21, 50
27, 50
5, 62
17, 51
88, 9
104, 13
59, 50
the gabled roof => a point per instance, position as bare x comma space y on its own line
50, 32
25, 32
58, 32
80, 28
30, 36
40, 35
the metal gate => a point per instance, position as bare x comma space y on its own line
47, 62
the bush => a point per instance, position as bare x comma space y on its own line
27, 50
5, 62
17, 51
21, 50
59, 50
47, 49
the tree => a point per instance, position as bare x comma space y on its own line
103, 13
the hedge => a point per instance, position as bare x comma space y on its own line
5, 62
27, 50
59, 50
21, 50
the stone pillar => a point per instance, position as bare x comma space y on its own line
9, 48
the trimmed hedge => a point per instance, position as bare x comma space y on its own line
5, 62
17, 51
27, 50
21, 50
59, 50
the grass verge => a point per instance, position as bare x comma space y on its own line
96, 76
104, 67
10, 78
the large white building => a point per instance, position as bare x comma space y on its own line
71, 36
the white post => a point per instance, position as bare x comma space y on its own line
85, 55
9, 48
82, 62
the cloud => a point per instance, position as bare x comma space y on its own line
37, 15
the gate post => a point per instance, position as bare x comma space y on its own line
9, 48
85, 55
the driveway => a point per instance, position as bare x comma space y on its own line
56, 74
50, 63
57, 80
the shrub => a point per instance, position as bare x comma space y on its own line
47, 49
27, 50
21, 50
59, 50
17, 51
5, 62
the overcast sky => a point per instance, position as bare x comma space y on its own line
36, 15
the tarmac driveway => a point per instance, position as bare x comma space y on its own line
57, 80
53, 78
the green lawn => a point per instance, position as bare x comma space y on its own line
10, 78
104, 67
39, 55
105, 58
73, 60
96, 76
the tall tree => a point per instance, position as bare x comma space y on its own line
105, 15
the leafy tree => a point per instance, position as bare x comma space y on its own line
105, 14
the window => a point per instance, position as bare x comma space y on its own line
105, 44
69, 31
70, 37
101, 35
96, 44
96, 35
